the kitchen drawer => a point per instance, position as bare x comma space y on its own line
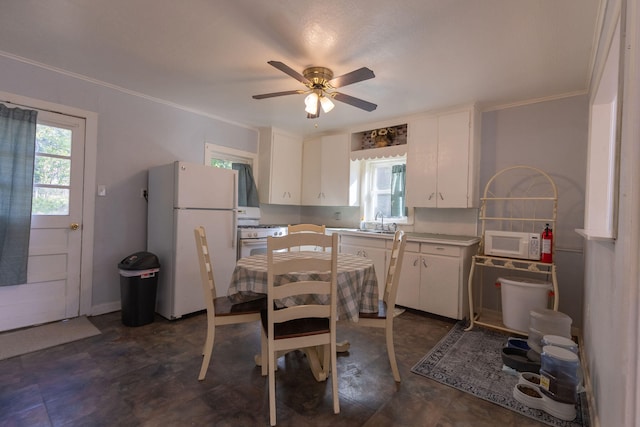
409, 247
371, 242
434, 249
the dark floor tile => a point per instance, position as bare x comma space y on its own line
147, 376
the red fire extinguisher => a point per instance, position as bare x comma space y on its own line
547, 244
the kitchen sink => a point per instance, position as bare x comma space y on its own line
371, 231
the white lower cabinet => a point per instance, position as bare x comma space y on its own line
433, 279
372, 248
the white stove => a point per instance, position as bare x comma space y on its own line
261, 231
252, 236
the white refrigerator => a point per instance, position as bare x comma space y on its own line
183, 196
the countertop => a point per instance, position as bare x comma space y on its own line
449, 239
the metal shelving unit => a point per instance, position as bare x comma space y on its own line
518, 198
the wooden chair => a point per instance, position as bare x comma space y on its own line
384, 317
309, 324
306, 228
220, 310
309, 228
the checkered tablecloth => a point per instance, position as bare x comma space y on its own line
357, 283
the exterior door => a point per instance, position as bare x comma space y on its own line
52, 291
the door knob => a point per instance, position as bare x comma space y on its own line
74, 226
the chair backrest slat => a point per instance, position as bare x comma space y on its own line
306, 229
206, 268
393, 272
315, 292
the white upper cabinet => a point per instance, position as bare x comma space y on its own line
443, 160
325, 171
280, 167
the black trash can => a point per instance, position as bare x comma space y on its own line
138, 288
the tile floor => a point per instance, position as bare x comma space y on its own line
147, 376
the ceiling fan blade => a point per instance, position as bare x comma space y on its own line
290, 71
271, 95
353, 77
356, 102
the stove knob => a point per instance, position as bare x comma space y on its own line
255, 234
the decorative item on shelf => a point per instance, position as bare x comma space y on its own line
395, 135
383, 137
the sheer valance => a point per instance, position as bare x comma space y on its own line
379, 153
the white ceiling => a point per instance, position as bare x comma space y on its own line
211, 55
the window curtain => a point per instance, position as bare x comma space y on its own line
17, 153
398, 179
247, 191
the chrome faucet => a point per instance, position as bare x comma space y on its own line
379, 213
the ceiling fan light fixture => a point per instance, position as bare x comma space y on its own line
327, 104
311, 103
320, 88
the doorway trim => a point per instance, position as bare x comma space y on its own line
88, 186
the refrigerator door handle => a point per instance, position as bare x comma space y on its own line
234, 228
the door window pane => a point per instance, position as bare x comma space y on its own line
50, 201
52, 171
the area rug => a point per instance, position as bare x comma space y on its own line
16, 343
472, 362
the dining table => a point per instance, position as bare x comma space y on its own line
356, 281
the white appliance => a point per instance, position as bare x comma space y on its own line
183, 196
252, 239
512, 244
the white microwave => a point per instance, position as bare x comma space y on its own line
512, 244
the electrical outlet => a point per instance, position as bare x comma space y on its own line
337, 216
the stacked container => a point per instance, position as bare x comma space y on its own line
547, 322
559, 377
520, 296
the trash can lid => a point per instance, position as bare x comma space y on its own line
523, 281
139, 261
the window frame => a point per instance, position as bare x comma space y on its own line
213, 151
366, 198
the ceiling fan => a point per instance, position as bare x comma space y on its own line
321, 87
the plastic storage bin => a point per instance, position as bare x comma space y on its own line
559, 341
519, 297
138, 288
559, 377
547, 322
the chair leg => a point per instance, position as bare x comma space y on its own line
208, 349
391, 352
333, 366
272, 387
326, 359
263, 353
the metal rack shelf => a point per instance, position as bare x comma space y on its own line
523, 202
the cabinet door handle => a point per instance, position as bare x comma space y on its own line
441, 198
431, 196
415, 262
364, 254
319, 194
424, 263
284, 194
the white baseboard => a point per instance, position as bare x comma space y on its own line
110, 307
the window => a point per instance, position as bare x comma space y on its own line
52, 171
222, 157
383, 189
244, 162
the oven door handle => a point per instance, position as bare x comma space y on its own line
260, 242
